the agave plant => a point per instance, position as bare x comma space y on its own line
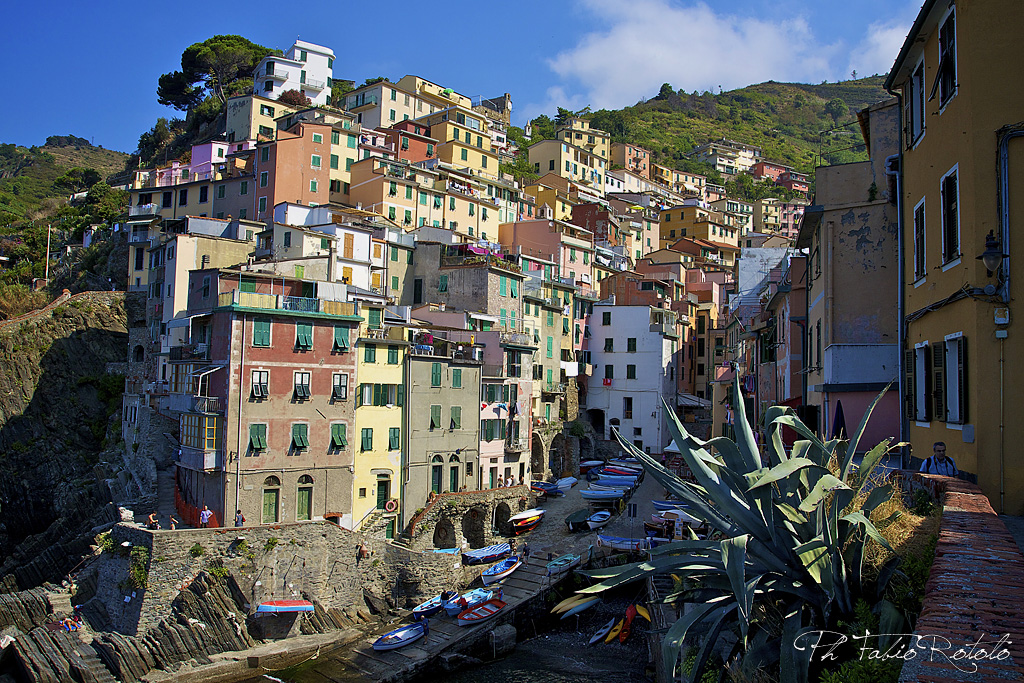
792, 553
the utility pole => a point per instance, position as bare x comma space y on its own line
46, 275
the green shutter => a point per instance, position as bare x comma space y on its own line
258, 437
457, 378
340, 338
304, 335
435, 374
367, 439
338, 436
399, 394
374, 318
299, 436
502, 285
551, 343
394, 438
515, 289
370, 353
435, 416
261, 333
377, 400
565, 326
442, 285
456, 417
392, 355
488, 430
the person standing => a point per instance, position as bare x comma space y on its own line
239, 518
939, 462
204, 517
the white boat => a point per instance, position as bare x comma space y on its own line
501, 570
526, 515
602, 632
402, 636
620, 543
599, 519
565, 483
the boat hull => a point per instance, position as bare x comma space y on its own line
491, 553
501, 570
401, 637
284, 606
481, 613
581, 606
602, 632
433, 606
599, 519
473, 598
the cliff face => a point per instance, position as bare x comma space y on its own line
56, 405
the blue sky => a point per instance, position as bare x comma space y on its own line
98, 63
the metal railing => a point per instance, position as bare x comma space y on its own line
300, 304
314, 84
143, 210
207, 404
277, 75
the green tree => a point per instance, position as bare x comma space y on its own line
371, 81
104, 202
837, 109
666, 91
543, 128
77, 179
339, 88
211, 66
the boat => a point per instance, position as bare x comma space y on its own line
565, 483
621, 482
680, 515
669, 504
491, 553
630, 615
596, 494
527, 516
577, 521
602, 632
523, 528
563, 564
481, 612
545, 488
284, 606
587, 603
619, 543
433, 605
597, 486
599, 519
642, 611
588, 465
569, 602
626, 462
471, 598
450, 551
402, 636
500, 570
614, 633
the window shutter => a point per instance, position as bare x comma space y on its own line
400, 395
435, 416
340, 338
927, 379
376, 395
456, 417
359, 395
939, 381
961, 360
909, 384
435, 374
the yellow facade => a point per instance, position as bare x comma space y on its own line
377, 439
570, 162
696, 222
559, 202
251, 117
962, 161
578, 132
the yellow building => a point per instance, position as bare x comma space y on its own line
570, 162
463, 140
768, 215
579, 133
377, 438
962, 159
696, 222
251, 117
680, 182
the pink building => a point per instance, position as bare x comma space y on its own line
768, 169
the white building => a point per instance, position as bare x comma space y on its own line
306, 67
631, 349
303, 231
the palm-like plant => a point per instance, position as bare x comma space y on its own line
793, 549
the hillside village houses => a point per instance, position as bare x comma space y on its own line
349, 308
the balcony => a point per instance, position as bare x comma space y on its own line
313, 84
516, 446
668, 329
276, 75
493, 370
552, 388
196, 459
143, 210
362, 101
517, 339
297, 304
207, 404
190, 352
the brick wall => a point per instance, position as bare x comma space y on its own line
975, 591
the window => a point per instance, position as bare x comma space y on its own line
220, 191
304, 336
606, 317
351, 142
609, 345
265, 154
260, 384
266, 109
550, 347
182, 197
946, 78
630, 372
919, 376
204, 192
435, 374
435, 416
442, 284
394, 282
370, 353
423, 198
334, 161
503, 286
262, 204
258, 437
339, 436
954, 369
366, 439
313, 185
394, 438
339, 386
457, 378
317, 137
456, 421
301, 386
950, 217
631, 345
300, 437
919, 261
392, 355
913, 106
243, 187
627, 408
609, 372
261, 332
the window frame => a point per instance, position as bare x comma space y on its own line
259, 384
301, 380
947, 237
339, 386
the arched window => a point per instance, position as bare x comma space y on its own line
305, 479
271, 481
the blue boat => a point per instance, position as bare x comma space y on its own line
620, 543
592, 494
669, 504
449, 551
282, 606
546, 488
466, 601
402, 636
501, 570
621, 482
433, 605
491, 553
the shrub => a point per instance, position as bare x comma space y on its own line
138, 567
270, 544
196, 550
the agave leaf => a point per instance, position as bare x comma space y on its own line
815, 557
878, 495
890, 620
683, 546
869, 462
734, 557
889, 569
794, 662
793, 422
869, 529
777, 448
784, 470
825, 485
744, 434
707, 647
631, 572
677, 632
855, 440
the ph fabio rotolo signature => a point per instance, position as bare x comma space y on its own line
965, 657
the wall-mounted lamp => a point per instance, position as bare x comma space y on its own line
993, 255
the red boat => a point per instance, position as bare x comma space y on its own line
481, 612
630, 615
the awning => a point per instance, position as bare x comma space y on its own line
205, 370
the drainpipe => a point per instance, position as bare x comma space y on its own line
238, 434
901, 304
1004, 135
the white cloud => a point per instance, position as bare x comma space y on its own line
650, 42
877, 52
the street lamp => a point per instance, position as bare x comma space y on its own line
993, 255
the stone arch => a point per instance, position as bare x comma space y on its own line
538, 463
596, 417
501, 514
138, 354
444, 534
558, 456
474, 526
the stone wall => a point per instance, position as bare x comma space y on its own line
473, 519
317, 561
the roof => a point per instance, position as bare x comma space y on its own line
908, 43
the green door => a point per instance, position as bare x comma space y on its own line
453, 479
304, 511
270, 500
435, 478
389, 531
383, 492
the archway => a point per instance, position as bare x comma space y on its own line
557, 456
138, 354
538, 464
474, 526
444, 534
501, 523
596, 417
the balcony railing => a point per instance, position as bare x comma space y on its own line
516, 446
300, 304
277, 75
517, 338
143, 210
664, 328
207, 404
190, 352
358, 102
196, 459
314, 84
552, 387
493, 370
